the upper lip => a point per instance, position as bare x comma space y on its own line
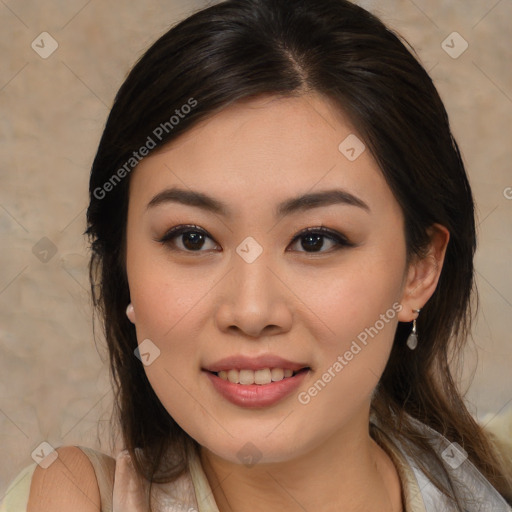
241, 362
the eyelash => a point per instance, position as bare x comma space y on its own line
340, 240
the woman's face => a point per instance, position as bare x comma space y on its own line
243, 289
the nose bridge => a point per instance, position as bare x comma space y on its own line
251, 273
254, 298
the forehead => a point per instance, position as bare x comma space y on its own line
268, 128
269, 147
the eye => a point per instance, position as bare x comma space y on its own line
313, 238
192, 238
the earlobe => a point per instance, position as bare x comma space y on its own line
423, 273
130, 313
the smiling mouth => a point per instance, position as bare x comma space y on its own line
261, 377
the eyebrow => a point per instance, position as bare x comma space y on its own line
288, 207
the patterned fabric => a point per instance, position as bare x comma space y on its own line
122, 491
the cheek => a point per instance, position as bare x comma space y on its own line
170, 318
162, 306
351, 299
165, 303
357, 315
164, 296
166, 309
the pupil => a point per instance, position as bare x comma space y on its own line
316, 238
195, 238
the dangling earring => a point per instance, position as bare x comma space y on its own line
412, 340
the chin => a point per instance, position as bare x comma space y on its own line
258, 448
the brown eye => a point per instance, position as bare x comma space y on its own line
192, 238
312, 239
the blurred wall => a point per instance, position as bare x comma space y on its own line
54, 383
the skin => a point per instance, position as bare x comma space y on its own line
291, 301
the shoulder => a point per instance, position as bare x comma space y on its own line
499, 429
69, 483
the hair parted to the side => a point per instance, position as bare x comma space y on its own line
240, 49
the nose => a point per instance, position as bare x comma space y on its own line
254, 300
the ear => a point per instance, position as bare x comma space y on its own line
130, 313
423, 274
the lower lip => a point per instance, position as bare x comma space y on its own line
256, 395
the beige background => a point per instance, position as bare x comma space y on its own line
53, 381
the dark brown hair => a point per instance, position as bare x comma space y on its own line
241, 49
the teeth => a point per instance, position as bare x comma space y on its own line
233, 376
277, 374
262, 376
247, 377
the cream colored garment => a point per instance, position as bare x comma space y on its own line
122, 491
192, 491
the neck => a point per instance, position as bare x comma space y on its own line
349, 472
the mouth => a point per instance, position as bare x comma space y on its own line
256, 388
261, 377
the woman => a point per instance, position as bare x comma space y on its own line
283, 238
